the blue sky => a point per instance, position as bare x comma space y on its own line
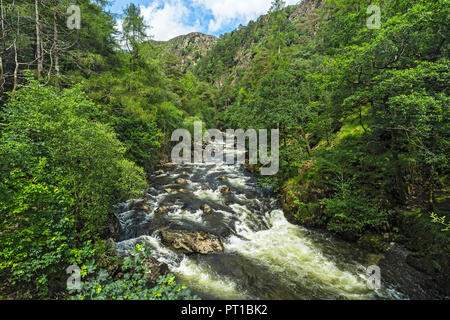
170, 18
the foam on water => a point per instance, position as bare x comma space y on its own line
260, 235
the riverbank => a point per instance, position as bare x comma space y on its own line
413, 253
264, 255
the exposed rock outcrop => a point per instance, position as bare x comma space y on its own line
190, 242
114, 228
189, 48
155, 269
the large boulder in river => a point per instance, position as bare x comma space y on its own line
190, 242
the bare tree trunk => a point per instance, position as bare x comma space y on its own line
16, 59
38, 40
16, 69
2, 75
55, 45
308, 147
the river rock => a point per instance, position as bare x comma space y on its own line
204, 188
181, 181
114, 227
190, 242
155, 269
170, 165
206, 208
162, 210
225, 191
159, 172
145, 208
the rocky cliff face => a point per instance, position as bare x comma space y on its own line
234, 52
304, 8
188, 48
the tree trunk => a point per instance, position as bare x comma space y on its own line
16, 69
38, 40
2, 76
308, 147
55, 44
361, 119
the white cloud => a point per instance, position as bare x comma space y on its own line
230, 11
171, 18
168, 19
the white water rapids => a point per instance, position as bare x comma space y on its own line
265, 257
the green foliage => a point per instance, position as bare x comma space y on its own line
81, 152
133, 285
61, 173
441, 221
363, 114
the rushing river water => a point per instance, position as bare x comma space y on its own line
265, 257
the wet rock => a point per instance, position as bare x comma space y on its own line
253, 168
204, 188
225, 191
178, 202
190, 242
155, 269
140, 205
168, 190
162, 210
169, 165
114, 227
159, 172
206, 208
181, 181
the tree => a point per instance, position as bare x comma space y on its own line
133, 32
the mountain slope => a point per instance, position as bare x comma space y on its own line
187, 48
235, 51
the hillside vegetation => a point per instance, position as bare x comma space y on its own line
86, 115
363, 117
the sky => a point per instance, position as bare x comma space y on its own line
171, 18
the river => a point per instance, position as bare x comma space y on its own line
265, 256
